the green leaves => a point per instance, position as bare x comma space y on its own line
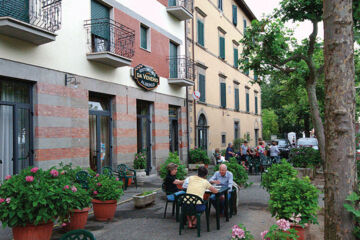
173, 158
240, 175
354, 209
104, 187
305, 157
198, 155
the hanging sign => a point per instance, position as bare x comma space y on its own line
146, 77
196, 95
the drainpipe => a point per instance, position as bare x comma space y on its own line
193, 57
187, 102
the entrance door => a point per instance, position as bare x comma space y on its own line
100, 132
144, 131
173, 129
202, 132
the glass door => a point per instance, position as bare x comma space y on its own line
202, 132
173, 129
6, 140
23, 138
144, 131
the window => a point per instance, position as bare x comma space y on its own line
173, 63
223, 95
144, 37
236, 58
236, 130
247, 70
234, 10
222, 47
255, 77
247, 101
256, 104
237, 108
220, 5
100, 32
202, 87
244, 26
200, 32
223, 139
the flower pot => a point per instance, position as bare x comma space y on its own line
104, 210
78, 219
32, 232
129, 181
195, 166
179, 186
144, 200
301, 232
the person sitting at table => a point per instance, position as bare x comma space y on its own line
198, 185
224, 178
171, 181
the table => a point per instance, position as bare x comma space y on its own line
221, 191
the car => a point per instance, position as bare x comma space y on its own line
308, 142
284, 147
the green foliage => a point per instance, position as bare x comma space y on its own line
283, 170
237, 143
223, 152
240, 175
293, 196
235, 233
146, 193
173, 158
301, 10
275, 233
354, 209
198, 155
270, 123
140, 160
305, 157
104, 187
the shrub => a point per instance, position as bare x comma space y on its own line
305, 157
140, 160
104, 187
280, 231
198, 155
239, 173
223, 152
237, 144
173, 158
277, 171
294, 196
354, 209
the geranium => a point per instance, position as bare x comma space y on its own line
296, 219
7, 177
2, 200
54, 173
263, 234
74, 189
95, 192
280, 231
104, 187
8, 200
99, 184
66, 187
240, 232
283, 224
29, 178
34, 169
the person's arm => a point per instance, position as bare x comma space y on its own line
231, 180
213, 179
213, 189
177, 181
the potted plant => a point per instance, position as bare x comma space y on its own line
305, 160
240, 232
295, 200
105, 192
30, 202
173, 158
197, 158
144, 199
140, 161
280, 231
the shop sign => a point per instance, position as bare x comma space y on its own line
146, 77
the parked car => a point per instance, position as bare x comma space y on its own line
284, 147
308, 142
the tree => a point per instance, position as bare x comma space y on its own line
270, 123
340, 168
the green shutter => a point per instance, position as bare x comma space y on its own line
220, 4
234, 8
173, 61
202, 87
18, 9
244, 26
256, 105
171, 3
236, 99
247, 70
200, 32
143, 37
247, 103
100, 28
223, 94
222, 47
255, 77
236, 57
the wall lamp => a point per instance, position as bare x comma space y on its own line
71, 80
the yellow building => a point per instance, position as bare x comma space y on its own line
229, 106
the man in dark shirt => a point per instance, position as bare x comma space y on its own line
229, 152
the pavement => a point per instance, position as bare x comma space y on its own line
148, 223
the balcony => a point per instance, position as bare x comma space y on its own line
181, 71
34, 21
181, 9
109, 42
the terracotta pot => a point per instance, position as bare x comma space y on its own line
179, 186
206, 165
104, 210
32, 232
129, 181
301, 232
78, 219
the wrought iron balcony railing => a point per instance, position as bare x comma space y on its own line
45, 14
187, 4
106, 35
181, 68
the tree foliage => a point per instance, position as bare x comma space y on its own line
270, 123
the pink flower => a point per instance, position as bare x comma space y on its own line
66, 187
95, 192
62, 172
8, 200
99, 184
29, 178
7, 177
97, 175
54, 173
296, 219
2, 200
263, 234
74, 189
237, 232
34, 169
117, 179
64, 224
283, 224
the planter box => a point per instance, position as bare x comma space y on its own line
302, 172
195, 166
142, 201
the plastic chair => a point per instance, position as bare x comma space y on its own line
187, 203
80, 234
82, 177
121, 170
232, 202
163, 186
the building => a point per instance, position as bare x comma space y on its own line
92, 82
229, 106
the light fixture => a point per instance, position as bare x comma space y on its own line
71, 80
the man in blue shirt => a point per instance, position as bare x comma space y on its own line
229, 152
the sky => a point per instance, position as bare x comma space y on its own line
302, 30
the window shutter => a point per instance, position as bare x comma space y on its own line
200, 33
236, 99
223, 94
244, 26
18, 9
236, 57
102, 28
222, 47
234, 8
202, 87
173, 61
220, 4
171, 3
247, 70
247, 103
143, 36
255, 77
256, 105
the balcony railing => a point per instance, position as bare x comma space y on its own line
181, 9
44, 14
181, 71
106, 35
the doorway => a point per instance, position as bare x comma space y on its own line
16, 146
144, 131
202, 132
100, 125
173, 129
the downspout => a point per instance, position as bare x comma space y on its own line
187, 101
193, 56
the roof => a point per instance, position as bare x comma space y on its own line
242, 4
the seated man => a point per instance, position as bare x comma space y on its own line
224, 178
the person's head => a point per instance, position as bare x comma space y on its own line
217, 150
273, 143
230, 145
172, 168
245, 142
202, 172
222, 169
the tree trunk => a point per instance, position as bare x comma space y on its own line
340, 169
315, 116
307, 124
